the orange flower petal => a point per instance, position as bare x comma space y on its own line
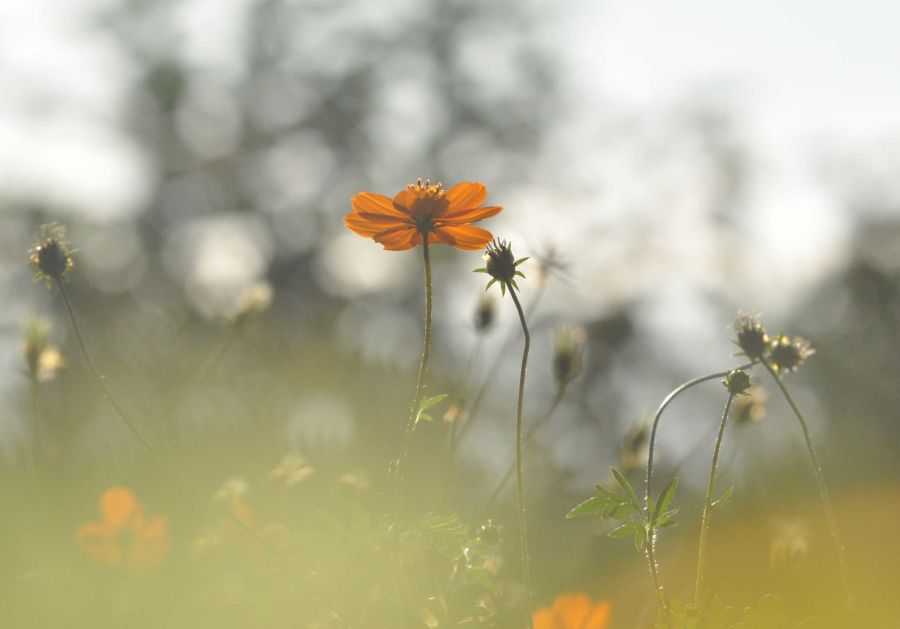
600, 616
364, 225
472, 216
375, 203
95, 532
405, 199
572, 610
544, 619
397, 239
118, 506
463, 236
465, 196
157, 528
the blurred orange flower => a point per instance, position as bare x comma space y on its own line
125, 537
423, 210
574, 611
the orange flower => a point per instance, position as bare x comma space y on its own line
423, 210
573, 611
125, 537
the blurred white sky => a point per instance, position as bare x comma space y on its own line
802, 78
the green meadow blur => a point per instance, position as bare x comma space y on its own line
269, 356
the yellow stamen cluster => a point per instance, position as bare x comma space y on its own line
426, 187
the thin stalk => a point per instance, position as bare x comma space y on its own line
129, 423
120, 412
650, 542
420, 385
707, 504
820, 479
511, 470
520, 493
472, 412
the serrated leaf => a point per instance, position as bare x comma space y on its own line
665, 499
591, 505
627, 487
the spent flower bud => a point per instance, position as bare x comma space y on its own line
500, 264
51, 254
737, 381
751, 336
789, 354
568, 349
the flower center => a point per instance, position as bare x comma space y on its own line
430, 201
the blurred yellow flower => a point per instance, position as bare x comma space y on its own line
125, 537
574, 611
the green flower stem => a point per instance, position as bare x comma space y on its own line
820, 479
420, 386
707, 504
129, 423
650, 542
511, 470
472, 413
520, 494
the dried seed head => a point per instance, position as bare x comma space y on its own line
485, 313
568, 350
50, 253
789, 354
737, 381
751, 336
500, 264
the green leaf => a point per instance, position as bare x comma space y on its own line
723, 498
520, 261
428, 403
628, 490
622, 531
618, 511
479, 270
665, 519
591, 505
665, 499
638, 540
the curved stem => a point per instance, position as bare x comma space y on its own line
707, 504
123, 416
472, 412
117, 407
520, 494
648, 492
528, 435
820, 479
420, 385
